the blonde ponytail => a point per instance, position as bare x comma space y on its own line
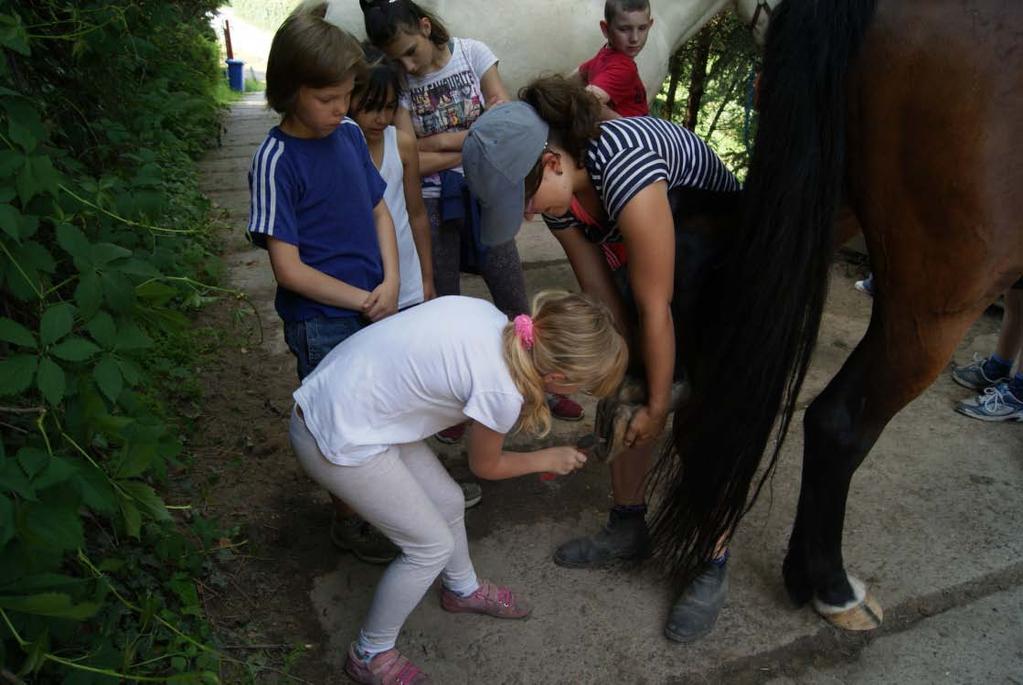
574, 335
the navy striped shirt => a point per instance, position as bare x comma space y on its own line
634, 152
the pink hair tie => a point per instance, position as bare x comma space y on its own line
524, 330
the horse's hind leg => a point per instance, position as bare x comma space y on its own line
892, 365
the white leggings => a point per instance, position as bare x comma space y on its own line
408, 495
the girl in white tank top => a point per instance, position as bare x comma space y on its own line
395, 154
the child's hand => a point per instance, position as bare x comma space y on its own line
565, 460
382, 302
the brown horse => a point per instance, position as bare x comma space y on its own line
912, 111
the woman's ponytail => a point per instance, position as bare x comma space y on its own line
572, 113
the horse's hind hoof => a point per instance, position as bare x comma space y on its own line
863, 612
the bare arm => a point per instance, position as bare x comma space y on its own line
417, 218
494, 92
383, 301
647, 225
593, 273
295, 275
488, 460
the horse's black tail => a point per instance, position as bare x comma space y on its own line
759, 317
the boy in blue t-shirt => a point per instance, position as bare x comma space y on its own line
317, 207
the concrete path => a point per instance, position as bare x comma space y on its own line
933, 526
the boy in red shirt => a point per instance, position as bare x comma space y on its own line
611, 75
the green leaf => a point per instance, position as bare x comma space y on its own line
104, 253
118, 290
11, 162
103, 330
132, 518
54, 523
108, 378
134, 459
131, 337
40, 582
74, 242
16, 373
74, 349
51, 381
55, 604
130, 370
147, 498
13, 479
10, 221
16, 334
59, 470
13, 35
88, 293
97, 492
56, 323
24, 125
32, 460
37, 177
6, 520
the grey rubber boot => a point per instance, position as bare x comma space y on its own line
623, 537
697, 608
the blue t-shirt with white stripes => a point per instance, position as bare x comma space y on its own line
318, 194
634, 152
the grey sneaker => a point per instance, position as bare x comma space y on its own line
354, 535
973, 376
472, 491
995, 404
623, 537
697, 608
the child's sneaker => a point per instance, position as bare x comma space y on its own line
982, 373
866, 286
564, 408
488, 599
472, 492
354, 535
996, 404
449, 436
385, 668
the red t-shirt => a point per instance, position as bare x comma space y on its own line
616, 74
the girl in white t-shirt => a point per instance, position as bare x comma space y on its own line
361, 418
394, 152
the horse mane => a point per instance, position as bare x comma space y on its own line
758, 315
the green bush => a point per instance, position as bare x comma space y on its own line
104, 237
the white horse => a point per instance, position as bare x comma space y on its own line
532, 37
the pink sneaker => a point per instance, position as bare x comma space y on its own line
488, 599
564, 408
385, 668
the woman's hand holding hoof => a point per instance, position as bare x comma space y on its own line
645, 427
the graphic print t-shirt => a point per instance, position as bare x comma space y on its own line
449, 99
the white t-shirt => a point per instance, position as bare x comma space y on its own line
407, 377
393, 172
449, 99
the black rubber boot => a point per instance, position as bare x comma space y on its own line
624, 537
697, 609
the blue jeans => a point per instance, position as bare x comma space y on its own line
311, 340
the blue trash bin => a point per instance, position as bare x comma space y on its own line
236, 74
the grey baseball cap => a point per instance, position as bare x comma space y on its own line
502, 147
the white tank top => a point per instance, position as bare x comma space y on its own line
393, 172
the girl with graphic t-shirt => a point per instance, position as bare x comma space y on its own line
368, 449
449, 82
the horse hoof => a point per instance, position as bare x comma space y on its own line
863, 612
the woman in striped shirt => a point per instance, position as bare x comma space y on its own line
596, 184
